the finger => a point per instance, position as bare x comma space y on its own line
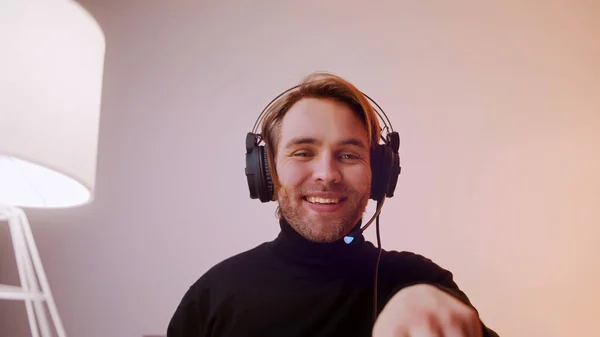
456, 331
464, 324
475, 328
426, 330
472, 324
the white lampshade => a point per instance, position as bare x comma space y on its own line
51, 68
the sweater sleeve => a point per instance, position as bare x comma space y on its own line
421, 270
454, 291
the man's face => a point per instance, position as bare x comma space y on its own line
323, 164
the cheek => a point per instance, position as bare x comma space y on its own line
292, 174
359, 178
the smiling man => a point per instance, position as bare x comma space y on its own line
308, 281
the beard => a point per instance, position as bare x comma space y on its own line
322, 227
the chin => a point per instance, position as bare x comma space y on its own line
321, 237
323, 229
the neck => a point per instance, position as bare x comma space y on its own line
296, 248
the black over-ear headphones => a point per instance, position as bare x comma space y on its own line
385, 160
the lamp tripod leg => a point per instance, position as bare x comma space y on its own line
20, 249
38, 269
31, 277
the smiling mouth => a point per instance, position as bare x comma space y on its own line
323, 201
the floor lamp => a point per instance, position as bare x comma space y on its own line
51, 68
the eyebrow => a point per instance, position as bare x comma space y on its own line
307, 140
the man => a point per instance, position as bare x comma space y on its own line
308, 281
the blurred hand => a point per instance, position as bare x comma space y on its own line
426, 311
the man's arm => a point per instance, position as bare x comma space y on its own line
457, 293
421, 270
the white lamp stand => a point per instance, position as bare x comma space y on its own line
31, 271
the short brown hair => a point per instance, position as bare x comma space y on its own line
316, 85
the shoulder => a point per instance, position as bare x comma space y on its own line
223, 277
233, 266
211, 289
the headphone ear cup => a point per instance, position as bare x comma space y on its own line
393, 177
257, 170
381, 163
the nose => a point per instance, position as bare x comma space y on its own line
326, 169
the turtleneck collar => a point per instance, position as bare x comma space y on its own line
293, 247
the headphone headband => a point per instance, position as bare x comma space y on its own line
387, 125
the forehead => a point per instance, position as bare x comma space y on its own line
322, 119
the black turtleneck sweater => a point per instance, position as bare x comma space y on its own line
292, 287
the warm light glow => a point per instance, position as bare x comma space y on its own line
31, 185
51, 64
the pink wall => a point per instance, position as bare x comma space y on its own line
498, 106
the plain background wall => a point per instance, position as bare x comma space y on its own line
497, 104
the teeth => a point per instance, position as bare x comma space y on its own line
317, 200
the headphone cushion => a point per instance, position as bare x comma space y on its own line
267, 179
393, 177
381, 164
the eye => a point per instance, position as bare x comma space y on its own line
301, 154
348, 156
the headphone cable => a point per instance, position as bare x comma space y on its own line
375, 282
